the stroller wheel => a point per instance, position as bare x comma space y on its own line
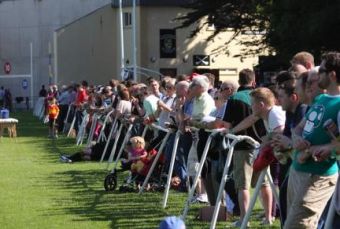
110, 182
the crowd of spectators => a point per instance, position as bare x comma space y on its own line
296, 120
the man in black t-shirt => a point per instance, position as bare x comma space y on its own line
238, 108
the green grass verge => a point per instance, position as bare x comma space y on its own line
37, 191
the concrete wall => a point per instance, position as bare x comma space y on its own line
25, 21
89, 46
86, 49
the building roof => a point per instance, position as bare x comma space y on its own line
115, 3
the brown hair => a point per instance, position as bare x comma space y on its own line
246, 76
263, 94
303, 58
124, 94
288, 87
182, 77
332, 63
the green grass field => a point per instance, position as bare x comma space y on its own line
37, 191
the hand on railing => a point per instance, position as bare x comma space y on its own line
170, 125
149, 120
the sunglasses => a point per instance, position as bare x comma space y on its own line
169, 87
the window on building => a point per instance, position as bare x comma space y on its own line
127, 19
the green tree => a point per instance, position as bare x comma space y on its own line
237, 15
289, 26
304, 25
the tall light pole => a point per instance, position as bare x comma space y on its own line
134, 40
122, 55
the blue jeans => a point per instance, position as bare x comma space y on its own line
283, 201
322, 220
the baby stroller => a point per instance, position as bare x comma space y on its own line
137, 176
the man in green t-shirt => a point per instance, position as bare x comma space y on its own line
312, 176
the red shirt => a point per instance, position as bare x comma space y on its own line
81, 96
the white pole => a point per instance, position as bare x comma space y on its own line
31, 51
159, 153
55, 52
134, 54
222, 184
122, 55
171, 168
198, 174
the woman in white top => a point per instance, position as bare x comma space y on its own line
164, 106
124, 106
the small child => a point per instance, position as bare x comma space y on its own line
53, 112
137, 154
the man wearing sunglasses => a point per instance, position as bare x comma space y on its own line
312, 180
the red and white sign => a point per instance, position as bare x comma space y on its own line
7, 68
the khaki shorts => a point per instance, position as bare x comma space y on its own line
307, 196
243, 169
256, 176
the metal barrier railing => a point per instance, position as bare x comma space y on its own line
116, 130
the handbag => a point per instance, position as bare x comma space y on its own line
206, 213
265, 158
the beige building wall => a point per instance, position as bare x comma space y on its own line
155, 18
87, 48
90, 47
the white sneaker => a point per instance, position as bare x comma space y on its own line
202, 198
65, 159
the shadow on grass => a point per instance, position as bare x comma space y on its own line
123, 210
80, 193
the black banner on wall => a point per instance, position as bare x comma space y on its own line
201, 60
167, 43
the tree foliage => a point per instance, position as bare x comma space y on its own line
304, 25
290, 26
235, 15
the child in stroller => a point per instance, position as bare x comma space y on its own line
136, 154
139, 162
